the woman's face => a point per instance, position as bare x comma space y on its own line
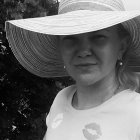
92, 56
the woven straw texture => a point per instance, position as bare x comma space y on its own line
34, 41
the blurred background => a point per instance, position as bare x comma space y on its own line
25, 99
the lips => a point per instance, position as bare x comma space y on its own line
85, 65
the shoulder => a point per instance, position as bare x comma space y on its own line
130, 101
134, 104
128, 104
65, 93
63, 97
132, 97
134, 108
136, 101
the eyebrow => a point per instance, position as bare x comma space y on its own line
95, 32
91, 33
69, 37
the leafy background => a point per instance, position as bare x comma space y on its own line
25, 99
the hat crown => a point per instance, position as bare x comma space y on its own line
94, 5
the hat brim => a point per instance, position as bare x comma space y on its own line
33, 40
75, 22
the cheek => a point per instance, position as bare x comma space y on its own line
109, 56
66, 55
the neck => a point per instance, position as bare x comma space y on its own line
88, 96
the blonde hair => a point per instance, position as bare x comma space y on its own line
125, 75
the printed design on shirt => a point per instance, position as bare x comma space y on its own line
92, 131
57, 120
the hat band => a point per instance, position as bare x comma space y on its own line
92, 5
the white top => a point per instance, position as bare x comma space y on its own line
118, 118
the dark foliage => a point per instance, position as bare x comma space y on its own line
25, 99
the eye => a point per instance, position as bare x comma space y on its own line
99, 39
68, 41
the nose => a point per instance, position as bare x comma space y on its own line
84, 49
84, 53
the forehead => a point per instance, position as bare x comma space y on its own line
110, 30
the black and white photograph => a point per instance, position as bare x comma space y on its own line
69, 70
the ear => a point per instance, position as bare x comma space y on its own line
124, 47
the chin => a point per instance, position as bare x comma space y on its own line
86, 80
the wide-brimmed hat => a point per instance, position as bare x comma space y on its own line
34, 40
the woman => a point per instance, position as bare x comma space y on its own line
94, 41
